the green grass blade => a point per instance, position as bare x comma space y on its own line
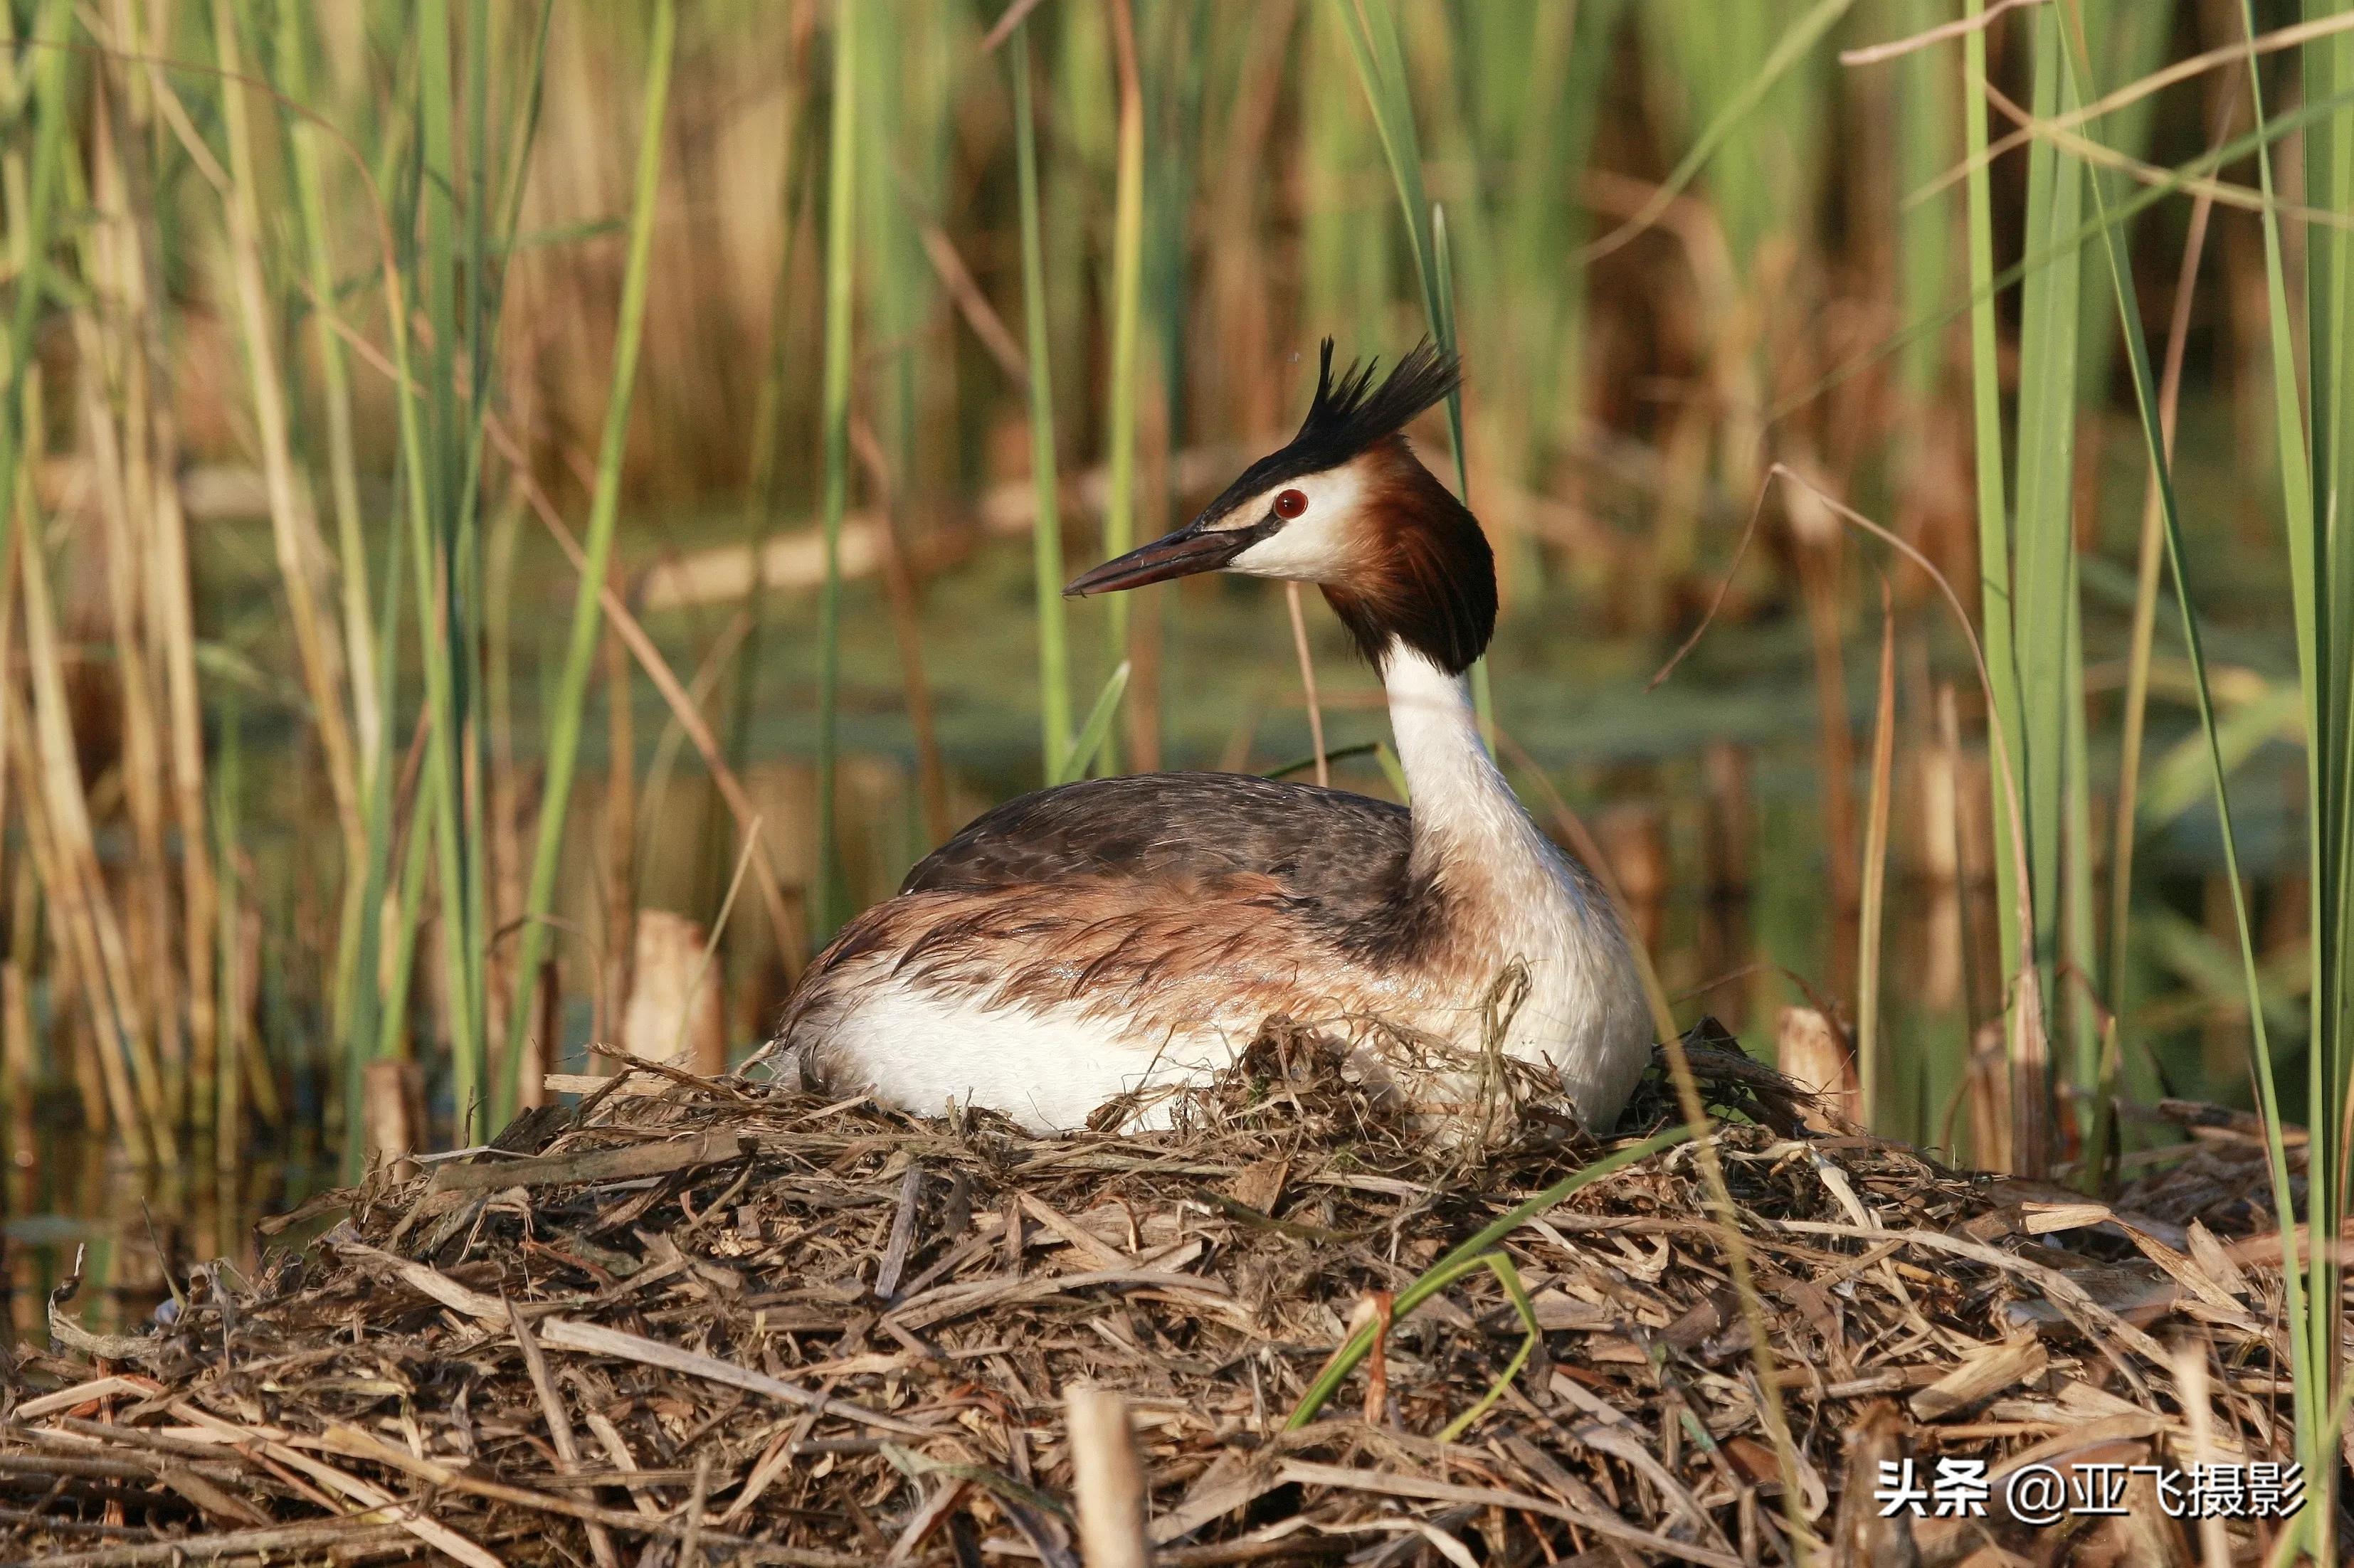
1465, 1255
1092, 735
604, 507
392, 1039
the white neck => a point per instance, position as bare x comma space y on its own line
1462, 807
1512, 896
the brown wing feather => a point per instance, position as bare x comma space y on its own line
1341, 859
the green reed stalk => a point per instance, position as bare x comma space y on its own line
2041, 571
2140, 639
1047, 529
1871, 914
32, 196
466, 609
2313, 1348
1126, 314
841, 301
1380, 57
361, 1013
490, 732
393, 1026
430, 420
2325, 558
229, 788
1995, 611
301, 135
604, 507
2321, 576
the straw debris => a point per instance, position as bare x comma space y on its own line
729, 1321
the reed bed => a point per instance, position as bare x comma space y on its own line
733, 1318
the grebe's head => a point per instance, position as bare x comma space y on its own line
1348, 506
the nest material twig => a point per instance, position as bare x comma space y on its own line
731, 1322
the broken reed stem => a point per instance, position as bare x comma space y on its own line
2190, 1384
1107, 1480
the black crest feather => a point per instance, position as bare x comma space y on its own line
1345, 417
1348, 414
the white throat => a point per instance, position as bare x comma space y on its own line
1461, 804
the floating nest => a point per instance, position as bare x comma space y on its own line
731, 1322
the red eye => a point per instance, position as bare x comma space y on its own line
1290, 502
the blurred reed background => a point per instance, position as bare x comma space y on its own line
522, 517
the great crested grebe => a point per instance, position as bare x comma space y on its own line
1122, 933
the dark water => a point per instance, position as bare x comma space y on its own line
69, 1198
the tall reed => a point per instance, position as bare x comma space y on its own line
604, 512
1046, 525
841, 301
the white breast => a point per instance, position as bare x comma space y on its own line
927, 1049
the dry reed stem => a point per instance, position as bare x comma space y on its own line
623, 928
116, 465
302, 554
1308, 684
171, 621
80, 885
907, 633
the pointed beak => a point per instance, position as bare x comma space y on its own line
1188, 550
